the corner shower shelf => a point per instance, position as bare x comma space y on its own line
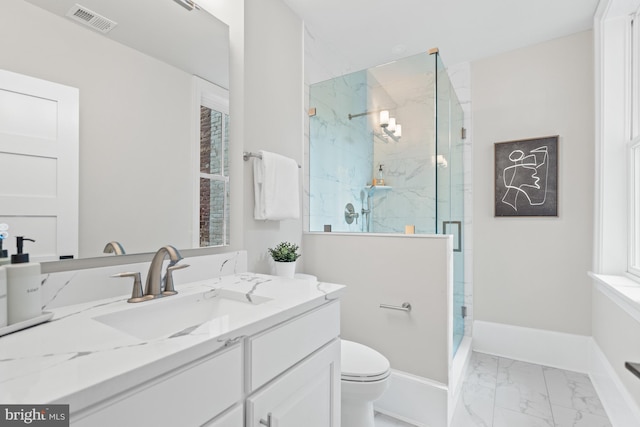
371, 189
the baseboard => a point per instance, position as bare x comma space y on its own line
619, 404
457, 373
548, 348
421, 401
415, 400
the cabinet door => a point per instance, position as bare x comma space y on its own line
307, 395
276, 350
188, 396
233, 418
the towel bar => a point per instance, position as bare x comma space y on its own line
248, 154
404, 307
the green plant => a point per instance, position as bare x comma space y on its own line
285, 252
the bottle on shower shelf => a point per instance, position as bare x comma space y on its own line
380, 179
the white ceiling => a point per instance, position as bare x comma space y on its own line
350, 35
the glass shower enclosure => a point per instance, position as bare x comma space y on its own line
385, 156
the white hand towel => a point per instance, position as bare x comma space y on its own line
276, 188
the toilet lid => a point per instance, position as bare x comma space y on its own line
362, 363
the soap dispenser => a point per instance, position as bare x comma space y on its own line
23, 286
4, 260
380, 180
4, 255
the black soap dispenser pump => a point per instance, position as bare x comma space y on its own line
23, 286
20, 257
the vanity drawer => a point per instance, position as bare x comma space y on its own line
188, 396
276, 350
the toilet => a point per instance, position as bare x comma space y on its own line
365, 376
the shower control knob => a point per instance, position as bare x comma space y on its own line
350, 214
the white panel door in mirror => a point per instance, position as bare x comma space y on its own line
39, 164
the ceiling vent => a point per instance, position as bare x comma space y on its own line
91, 19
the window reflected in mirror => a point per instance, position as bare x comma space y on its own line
214, 176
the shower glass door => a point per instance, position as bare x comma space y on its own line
450, 185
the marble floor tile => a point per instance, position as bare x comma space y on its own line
572, 390
508, 418
482, 370
475, 407
521, 387
566, 417
500, 392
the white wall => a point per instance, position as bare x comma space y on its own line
531, 272
135, 130
273, 112
391, 269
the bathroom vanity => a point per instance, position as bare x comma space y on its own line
238, 350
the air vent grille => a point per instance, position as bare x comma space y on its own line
87, 17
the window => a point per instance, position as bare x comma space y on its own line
213, 167
633, 142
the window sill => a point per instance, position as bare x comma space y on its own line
622, 290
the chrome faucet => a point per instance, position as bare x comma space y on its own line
154, 277
114, 247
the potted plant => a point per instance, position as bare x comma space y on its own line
285, 255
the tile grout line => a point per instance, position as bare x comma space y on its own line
546, 386
495, 392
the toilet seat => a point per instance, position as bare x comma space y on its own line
360, 363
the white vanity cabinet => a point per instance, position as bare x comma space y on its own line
299, 361
232, 418
189, 396
307, 395
287, 375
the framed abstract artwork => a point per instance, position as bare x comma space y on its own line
526, 177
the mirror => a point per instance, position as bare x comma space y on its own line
138, 171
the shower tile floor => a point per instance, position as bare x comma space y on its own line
500, 392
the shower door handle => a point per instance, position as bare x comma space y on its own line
454, 228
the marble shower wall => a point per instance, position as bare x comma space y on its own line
347, 153
342, 151
408, 163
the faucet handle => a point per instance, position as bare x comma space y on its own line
169, 288
136, 295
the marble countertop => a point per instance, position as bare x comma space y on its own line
77, 360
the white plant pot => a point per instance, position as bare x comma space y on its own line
285, 269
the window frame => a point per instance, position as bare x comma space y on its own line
216, 98
632, 104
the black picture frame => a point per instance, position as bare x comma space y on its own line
526, 177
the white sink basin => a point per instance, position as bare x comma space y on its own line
181, 314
